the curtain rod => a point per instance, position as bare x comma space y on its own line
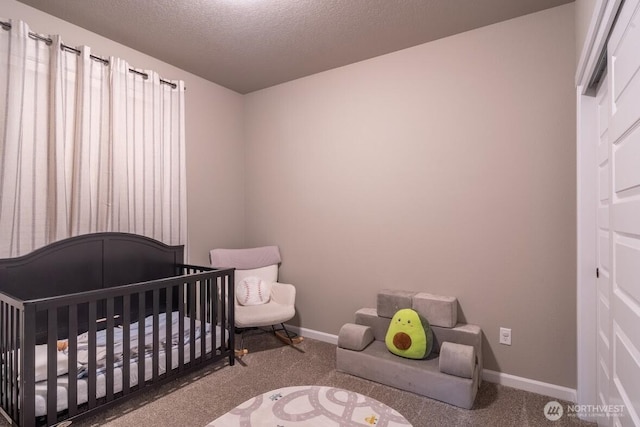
48, 41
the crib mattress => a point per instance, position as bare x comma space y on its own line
83, 383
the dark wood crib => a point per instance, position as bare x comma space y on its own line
98, 318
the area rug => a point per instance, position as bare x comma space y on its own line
311, 406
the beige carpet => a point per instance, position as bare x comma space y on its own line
209, 393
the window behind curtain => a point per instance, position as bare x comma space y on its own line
86, 145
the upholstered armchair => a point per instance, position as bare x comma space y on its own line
260, 300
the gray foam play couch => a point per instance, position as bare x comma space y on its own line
451, 374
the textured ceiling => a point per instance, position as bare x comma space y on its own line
247, 45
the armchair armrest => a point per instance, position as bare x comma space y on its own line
283, 293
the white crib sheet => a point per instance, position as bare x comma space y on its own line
83, 383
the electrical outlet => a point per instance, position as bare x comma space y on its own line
505, 336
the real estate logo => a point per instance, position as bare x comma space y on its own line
553, 410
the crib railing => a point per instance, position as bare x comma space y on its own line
198, 294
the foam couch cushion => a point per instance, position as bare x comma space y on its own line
423, 377
391, 300
457, 359
439, 310
354, 337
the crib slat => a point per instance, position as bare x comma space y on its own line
12, 383
213, 293
19, 325
126, 344
52, 365
231, 321
28, 376
7, 366
203, 320
92, 355
14, 332
192, 323
181, 327
72, 392
223, 310
5, 354
7, 351
141, 343
169, 332
156, 334
110, 356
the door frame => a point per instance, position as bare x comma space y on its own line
600, 26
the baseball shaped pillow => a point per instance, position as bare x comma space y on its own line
253, 290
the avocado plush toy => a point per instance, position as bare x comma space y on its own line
409, 335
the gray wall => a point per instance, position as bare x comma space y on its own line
214, 136
449, 168
584, 14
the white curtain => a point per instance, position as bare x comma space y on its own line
85, 146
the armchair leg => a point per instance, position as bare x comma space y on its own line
286, 337
241, 351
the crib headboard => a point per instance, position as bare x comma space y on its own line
88, 262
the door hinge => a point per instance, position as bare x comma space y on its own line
597, 273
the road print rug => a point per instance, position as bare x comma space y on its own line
311, 406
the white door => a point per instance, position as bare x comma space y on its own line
623, 135
603, 274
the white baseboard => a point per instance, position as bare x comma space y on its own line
316, 335
521, 383
526, 384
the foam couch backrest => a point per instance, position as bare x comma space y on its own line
438, 310
460, 334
